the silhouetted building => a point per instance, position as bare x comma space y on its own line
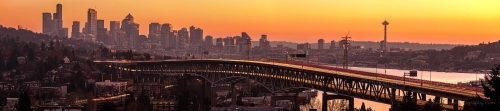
196, 35
243, 43
321, 44
228, 41
332, 44
183, 38
304, 46
114, 32
91, 26
154, 32
166, 29
219, 42
131, 30
47, 25
209, 41
102, 33
264, 44
173, 39
75, 30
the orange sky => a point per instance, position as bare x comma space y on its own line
427, 21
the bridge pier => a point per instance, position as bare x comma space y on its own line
455, 105
393, 99
326, 97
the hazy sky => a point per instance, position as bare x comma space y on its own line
427, 21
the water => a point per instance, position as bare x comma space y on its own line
448, 77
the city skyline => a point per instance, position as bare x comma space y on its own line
295, 21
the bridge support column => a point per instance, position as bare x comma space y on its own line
393, 99
415, 96
449, 101
455, 105
296, 105
324, 102
423, 97
437, 99
213, 96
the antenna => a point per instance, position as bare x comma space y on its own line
346, 45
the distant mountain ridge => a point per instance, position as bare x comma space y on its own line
370, 44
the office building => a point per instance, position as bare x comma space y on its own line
47, 25
321, 44
75, 30
166, 29
209, 41
183, 38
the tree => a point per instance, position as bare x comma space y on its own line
184, 101
108, 106
24, 103
13, 63
2, 62
491, 87
42, 46
144, 102
362, 108
431, 105
409, 103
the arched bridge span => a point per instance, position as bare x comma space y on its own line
278, 76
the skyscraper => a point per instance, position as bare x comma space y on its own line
264, 43
75, 30
47, 25
131, 30
332, 45
183, 37
195, 35
114, 32
166, 29
154, 31
58, 12
209, 41
91, 25
321, 44
173, 39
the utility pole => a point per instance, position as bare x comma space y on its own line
346, 45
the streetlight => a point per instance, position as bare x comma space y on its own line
411, 74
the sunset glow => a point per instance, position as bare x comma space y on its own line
426, 21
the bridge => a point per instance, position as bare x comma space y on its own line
281, 76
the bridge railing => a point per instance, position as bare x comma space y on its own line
302, 63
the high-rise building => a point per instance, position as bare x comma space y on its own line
114, 32
75, 30
102, 32
154, 31
332, 44
195, 35
219, 42
321, 44
304, 46
58, 12
228, 41
47, 25
132, 31
242, 42
264, 44
173, 39
209, 41
166, 29
63, 33
183, 37
91, 25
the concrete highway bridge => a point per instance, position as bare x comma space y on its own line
295, 77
